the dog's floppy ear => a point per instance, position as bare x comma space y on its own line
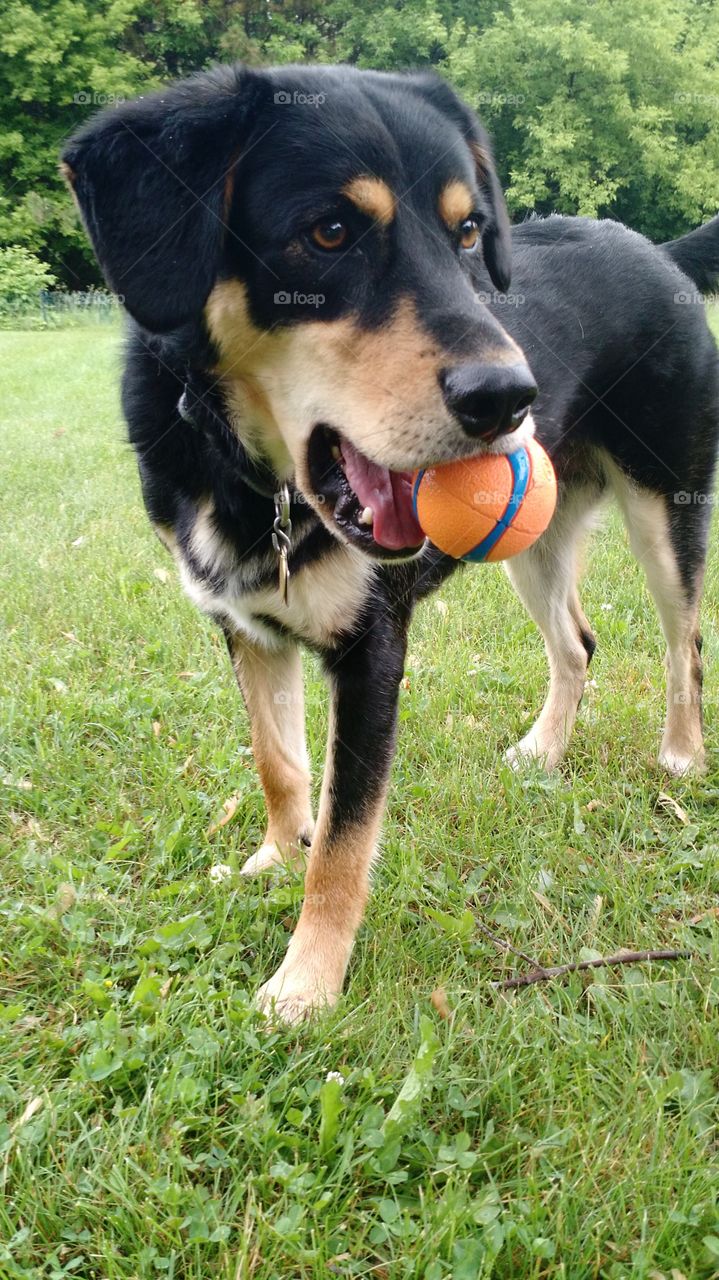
496, 231
153, 181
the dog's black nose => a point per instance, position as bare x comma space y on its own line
489, 400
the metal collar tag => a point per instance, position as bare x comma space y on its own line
281, 539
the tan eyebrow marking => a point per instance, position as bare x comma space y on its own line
372, 197
455, 202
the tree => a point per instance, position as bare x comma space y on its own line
606, 107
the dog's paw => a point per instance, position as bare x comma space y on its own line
273, 855
680, 764
268, 855
294, 994
534, 751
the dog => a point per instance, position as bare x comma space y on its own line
316, 265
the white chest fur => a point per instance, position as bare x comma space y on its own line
325, 597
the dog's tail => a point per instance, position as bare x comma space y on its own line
697, 255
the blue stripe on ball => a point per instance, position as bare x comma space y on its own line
521, 471
415, 490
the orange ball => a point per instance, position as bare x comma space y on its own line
490, 507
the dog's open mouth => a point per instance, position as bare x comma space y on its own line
371, 504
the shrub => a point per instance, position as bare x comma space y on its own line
22, 276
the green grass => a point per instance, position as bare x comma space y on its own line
149, 1125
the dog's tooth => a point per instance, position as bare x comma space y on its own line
336, 452
367, 516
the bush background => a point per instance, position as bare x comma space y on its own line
599, 107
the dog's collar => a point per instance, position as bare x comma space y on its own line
202, 409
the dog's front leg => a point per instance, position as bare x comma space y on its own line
364, 680
271, 684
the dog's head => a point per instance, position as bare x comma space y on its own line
326, 227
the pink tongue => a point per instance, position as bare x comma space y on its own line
389, 494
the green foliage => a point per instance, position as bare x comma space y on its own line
23, 280
603, 109
22, 276
608, 108
57, 60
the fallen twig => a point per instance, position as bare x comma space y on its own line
559, 970
505, 946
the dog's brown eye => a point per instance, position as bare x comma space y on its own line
469, 233
329, 235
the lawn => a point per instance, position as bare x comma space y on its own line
150, 1125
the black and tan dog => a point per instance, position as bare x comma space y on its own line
316, 264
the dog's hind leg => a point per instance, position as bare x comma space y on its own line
669, 539
271, 684
545, 579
